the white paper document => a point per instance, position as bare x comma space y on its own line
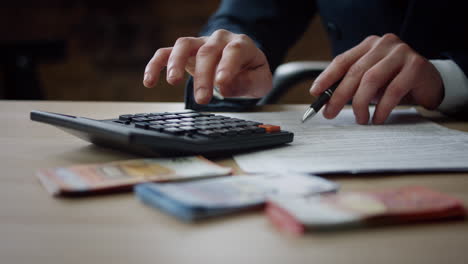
407, 142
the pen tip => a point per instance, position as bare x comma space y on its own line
308, 114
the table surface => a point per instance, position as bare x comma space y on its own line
37, 228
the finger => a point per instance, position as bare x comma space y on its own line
350, 83
253, 83
190, 66
373, 81
340, 65
183, 49
396, 90
155, 65
207, 59
238, 55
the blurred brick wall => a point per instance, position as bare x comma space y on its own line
110, 42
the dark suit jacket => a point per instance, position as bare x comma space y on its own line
435, 29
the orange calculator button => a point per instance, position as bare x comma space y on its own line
270, 128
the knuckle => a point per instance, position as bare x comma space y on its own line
198, 78
356, 71
390, 37
207, 50
371, 38
237, 45
371, 77
360, 106
417, 62
220, 32
358, 103
183, 41
341, 60
223, 85
160, 52
339, 98
396, 91
244, 37
402, 48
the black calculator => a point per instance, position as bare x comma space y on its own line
171, 133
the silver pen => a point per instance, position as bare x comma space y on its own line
315, 107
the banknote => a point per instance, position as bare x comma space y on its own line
218, 196
123, 175
352, 209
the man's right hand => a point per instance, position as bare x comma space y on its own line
232, 62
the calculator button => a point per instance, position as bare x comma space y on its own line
140, 119
208, 133
202, 118
188, 128
156, 128
141, 125
221, 131
202, 122
158, 122
156, 118
240, 131
187, 119
173, 120
255, 129
187, 124
270, 128
214, 122
203, 127
190, 114
170, 116
216, 126
229, 125
219, 117
238, 124
171, 125
253, 123
184, 112
125, 117
155, 114
173, 130
152, 118
230, 132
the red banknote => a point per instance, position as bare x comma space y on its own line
348, 209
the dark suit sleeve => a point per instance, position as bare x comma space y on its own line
437, 30
275, 25
456, 46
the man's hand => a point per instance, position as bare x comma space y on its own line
383, 70
229, 61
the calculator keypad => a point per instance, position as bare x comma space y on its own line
194, 123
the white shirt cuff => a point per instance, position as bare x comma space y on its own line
455, 85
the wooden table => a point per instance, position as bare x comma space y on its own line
36, 228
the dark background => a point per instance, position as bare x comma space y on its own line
97, 50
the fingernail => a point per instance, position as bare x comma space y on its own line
220, 76
360, 120
328, 111
313, 88
173, 73
147, 79
200, 94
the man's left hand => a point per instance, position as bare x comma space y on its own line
383, 70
